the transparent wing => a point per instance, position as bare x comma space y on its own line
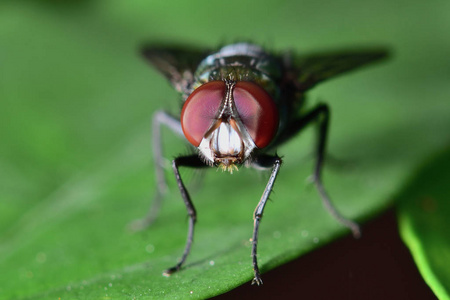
176, 63
312, 69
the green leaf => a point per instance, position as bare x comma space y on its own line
75, 154
423, 212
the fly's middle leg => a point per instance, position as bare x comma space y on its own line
159, 118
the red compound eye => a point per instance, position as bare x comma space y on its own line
200, 109
257, 111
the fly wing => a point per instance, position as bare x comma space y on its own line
176, 64
310, 70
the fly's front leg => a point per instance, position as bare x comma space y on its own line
264, 162
322, 114
192, 161
159, 118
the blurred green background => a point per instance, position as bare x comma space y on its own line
76, 102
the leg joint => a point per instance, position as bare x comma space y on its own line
257, 216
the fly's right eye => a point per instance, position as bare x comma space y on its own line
200, 109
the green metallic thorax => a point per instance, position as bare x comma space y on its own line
240, 62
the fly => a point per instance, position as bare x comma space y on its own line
239, 104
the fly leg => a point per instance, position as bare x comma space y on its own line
192, 161
159, 118
322, 114
262, 162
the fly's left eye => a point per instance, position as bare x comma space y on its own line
200, 109
257, 111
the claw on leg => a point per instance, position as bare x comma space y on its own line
257, 280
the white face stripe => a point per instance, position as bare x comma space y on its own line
226, 141
227, 144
